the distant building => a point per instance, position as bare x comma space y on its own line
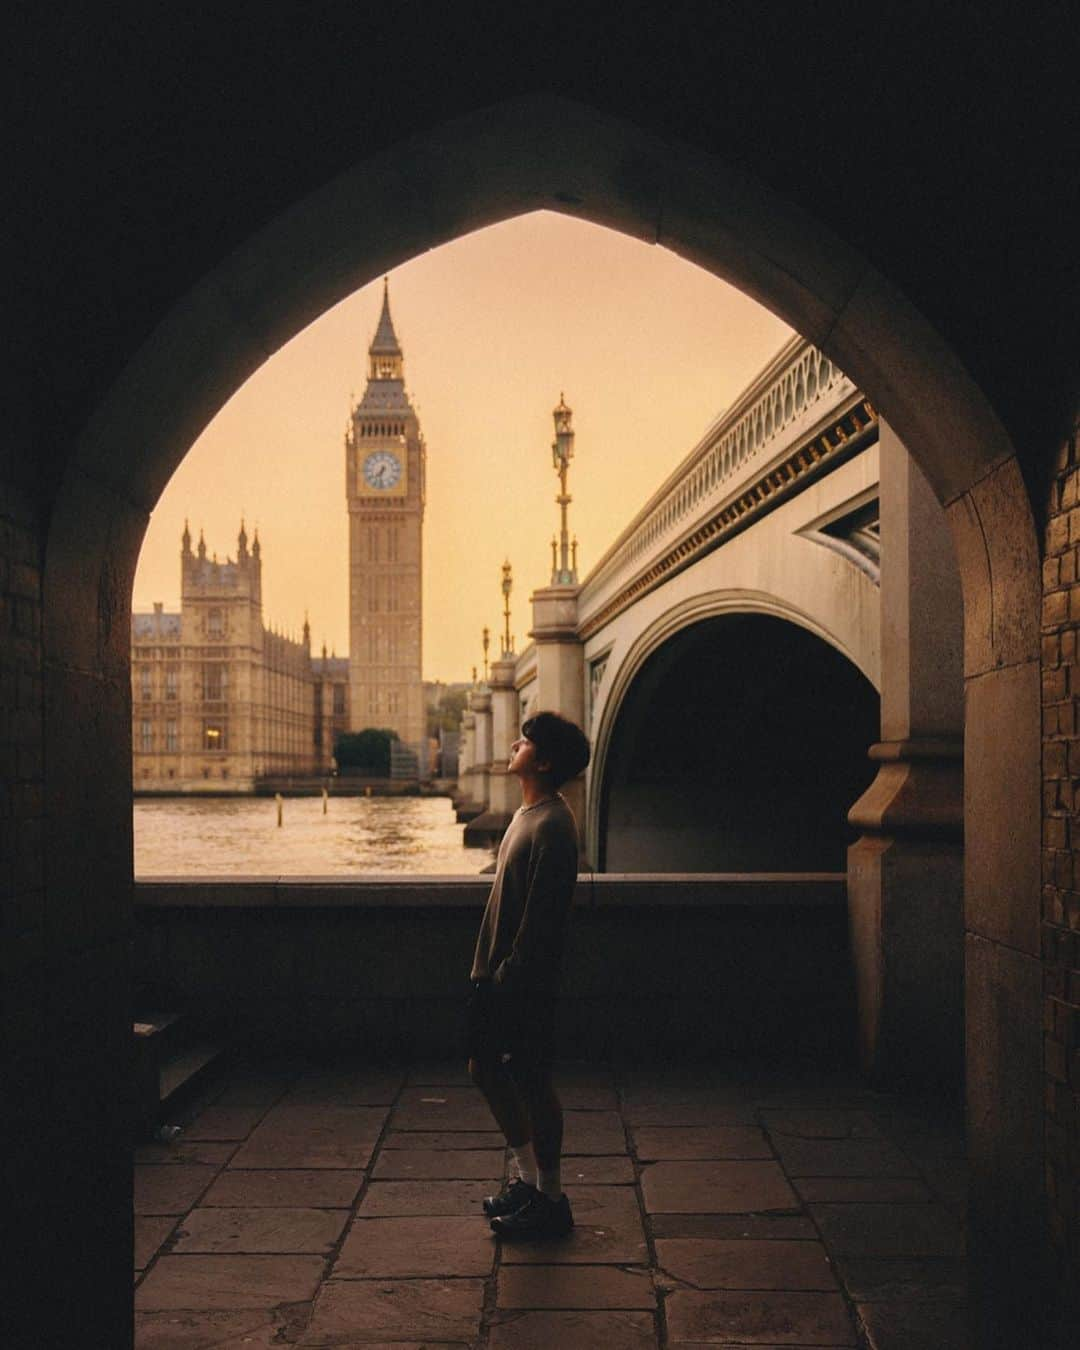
385, 466
219, 701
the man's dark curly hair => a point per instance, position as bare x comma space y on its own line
560, 742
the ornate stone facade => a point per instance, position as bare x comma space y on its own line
219, 701
384, 485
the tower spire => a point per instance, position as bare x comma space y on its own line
385, 351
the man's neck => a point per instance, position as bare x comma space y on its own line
534, 791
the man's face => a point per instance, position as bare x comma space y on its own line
523, 759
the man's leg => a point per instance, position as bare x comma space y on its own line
546, 1117
504, 1100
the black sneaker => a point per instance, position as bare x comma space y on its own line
539, 1217
510, 1199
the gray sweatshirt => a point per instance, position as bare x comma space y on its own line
520, 945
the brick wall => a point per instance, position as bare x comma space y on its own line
1061, 868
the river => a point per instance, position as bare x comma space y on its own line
358, 836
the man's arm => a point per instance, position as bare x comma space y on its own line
552, 878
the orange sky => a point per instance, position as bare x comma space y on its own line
648, 348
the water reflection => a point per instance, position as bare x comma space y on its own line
222, 836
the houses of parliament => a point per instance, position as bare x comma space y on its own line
221, 701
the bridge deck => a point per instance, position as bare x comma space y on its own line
721, 1204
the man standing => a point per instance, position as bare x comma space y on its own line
515, 978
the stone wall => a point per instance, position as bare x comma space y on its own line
676, 966
1061, 868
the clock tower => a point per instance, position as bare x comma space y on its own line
384, 487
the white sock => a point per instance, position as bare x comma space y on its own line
550, 1182
525, 1161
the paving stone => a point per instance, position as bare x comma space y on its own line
583, 1095
438, 1164
255, 1089
251, 1329
348, 1087
593, 1132
674, 1115
592, 1199
441, 1108
224, 1122
150, 1233
907, 1325
386, 1199
397, 1248
574, 1287
872, 1190
701, 1142
870, 1279
260, 1230
229, 1282
715, 1188
842, 1158
341, 1137
600, 1237
315, 1188
821, 1124
574, 1331
170, 1190
185, 1151
358, 1311
888, 1230
448, 1139
597, 1169
767, 1227
759, 1318
728, 1263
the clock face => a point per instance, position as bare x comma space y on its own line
382, 469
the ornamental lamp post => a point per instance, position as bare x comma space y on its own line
562, 452
507, 587
486, 645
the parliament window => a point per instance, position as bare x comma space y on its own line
215, 679
146, 736
172, 682
171, 742
339, 700
215, 625
213, 736
146, 683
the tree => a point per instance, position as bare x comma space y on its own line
365, 753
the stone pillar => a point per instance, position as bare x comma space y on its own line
503, 793
480, 703
905, 875
465, 805
560, 673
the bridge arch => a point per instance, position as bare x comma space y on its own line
690, 613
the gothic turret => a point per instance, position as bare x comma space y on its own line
202, 545
384, 354
185, 542
242, 544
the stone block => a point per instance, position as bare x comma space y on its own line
821, 1124
352, 1311
870, 1279
888, 1230
593, 1132
170, 1190
716, 1188
387, 1199
260, 1229
422, 1108
871, 1190
842, 1158
212, 1154
227, 1283
603, 1234
770, 1318
907, 1324
443, 1139
224, 1122
701, 1142
417, 1247
150, 1233
438, 1164
767, 1227
739, 1263
1002, 788
316, 1188
253, 1329
597, 1170
583, 1330
362, 1086
566, 1286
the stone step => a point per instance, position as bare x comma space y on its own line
184, 1071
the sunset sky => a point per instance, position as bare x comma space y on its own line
648, 349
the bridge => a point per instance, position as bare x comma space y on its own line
767, 661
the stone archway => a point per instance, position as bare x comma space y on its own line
502, 161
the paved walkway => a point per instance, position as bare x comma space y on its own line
340, 1207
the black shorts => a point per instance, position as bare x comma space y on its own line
500, 1023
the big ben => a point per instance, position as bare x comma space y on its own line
384, 487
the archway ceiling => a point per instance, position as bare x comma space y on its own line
177, 137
